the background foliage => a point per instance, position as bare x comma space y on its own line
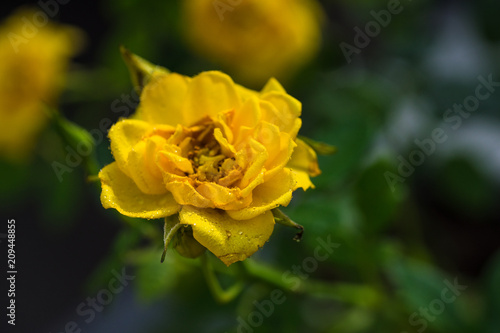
399, 242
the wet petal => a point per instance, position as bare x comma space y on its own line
163, 99
171, 162
121, 193
302, 180
223, 197
227, 149
281, 157
210, 93
284, 103
230, 240
142, 167
304, 159
269, 136
124, 135
249, 115
256, 156
271, 194
280, 111
185, 193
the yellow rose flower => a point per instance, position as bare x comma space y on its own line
216, 153
34, 55
255, 39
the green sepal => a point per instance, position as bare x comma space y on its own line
186, 245
321, 148
170, 228
141, 70
181, 237
281, 218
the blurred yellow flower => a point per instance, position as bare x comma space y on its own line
255, 39
34, 54
220, 155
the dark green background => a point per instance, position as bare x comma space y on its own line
441, 223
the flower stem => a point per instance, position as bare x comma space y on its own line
220, 295
358, 294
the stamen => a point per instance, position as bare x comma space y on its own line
209, 164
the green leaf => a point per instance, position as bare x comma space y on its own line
429, 298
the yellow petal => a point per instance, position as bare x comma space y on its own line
179, 135
271, 194
245, 93
230, 240
227, 149
249, 115
281, 157
163, 99
124, 135
247, 191
304, 159
185, 193
257, 157
273, 85
295, 128
121, 193
172, 162
223, 197
221, 122
284, 102
210, 93
269, 136
142, 167
242, 136
276, 109
302, 180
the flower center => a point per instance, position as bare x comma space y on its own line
209, 163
